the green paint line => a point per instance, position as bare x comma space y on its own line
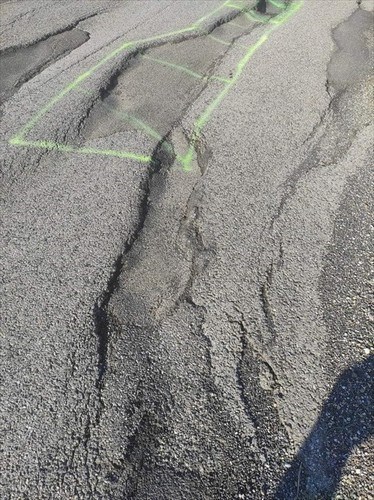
277, 4
236, 7
42, 144
31, 123
203, 18
34, 120
204, 117
199, 124
218, 40
163, 36
256, 17
188, 71
55, 146
218, 79
178, 67
237, 25
139, 124
129, 118
135, 121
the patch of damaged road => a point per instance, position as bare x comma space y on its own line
152, 279
155, 273
21, 64
110, 115
140, 388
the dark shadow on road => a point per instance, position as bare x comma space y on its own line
261, 6
346, 420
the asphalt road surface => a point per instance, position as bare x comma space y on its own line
187, 202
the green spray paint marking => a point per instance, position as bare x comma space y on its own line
135, 121
218, 40
185, 70
202, 19
286, 14
186, 160
34, 120
139, 124
82, 77
205, 116
236, 7
174, 66
277, 4
127, 117
237, 25
256, 17
55, 146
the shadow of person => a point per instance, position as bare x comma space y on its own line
346, 420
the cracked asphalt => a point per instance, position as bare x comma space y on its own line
187, 249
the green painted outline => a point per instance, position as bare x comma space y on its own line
56, 146
218, 40
185, 70
129, 118
278, 4
186, 160
236, 25
234, 6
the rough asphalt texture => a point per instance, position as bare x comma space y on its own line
187, 335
